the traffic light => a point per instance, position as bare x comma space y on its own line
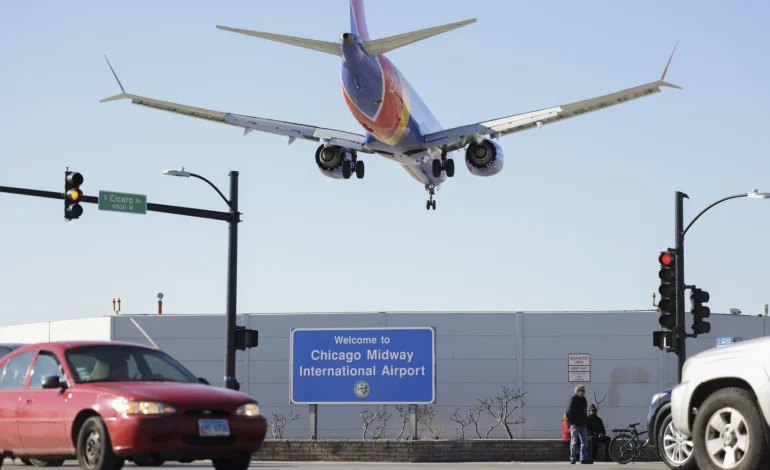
699, 311
664, 339
72, 195
245, 339
667, 289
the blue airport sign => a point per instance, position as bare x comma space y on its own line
345, 366
725, 340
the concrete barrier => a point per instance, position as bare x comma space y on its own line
483, 450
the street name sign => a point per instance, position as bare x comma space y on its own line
579, 367
122, 202
344, 366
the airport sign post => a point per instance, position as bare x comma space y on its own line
363, 365
122, 202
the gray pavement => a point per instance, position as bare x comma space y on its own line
382, 466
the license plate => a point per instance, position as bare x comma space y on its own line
213, 427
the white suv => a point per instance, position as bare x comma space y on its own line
723, 402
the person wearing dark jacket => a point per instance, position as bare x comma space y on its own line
577, 417
595, 427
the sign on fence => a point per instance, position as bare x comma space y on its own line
362, 365
579, 367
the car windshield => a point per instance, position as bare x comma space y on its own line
125, 364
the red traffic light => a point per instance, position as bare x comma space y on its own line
666, 259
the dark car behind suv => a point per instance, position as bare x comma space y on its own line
672, 447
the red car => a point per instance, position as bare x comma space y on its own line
103, 403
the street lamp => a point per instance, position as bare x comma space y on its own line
680, 285
232, 269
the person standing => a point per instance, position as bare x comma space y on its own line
577, 417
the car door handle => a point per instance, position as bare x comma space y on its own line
29, 400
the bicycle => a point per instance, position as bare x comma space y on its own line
626, 444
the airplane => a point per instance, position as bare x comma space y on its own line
399, 125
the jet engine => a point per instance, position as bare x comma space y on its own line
484, 159
338, 162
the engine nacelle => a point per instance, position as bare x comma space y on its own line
329, 160
484, 159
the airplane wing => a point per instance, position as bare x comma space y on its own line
458, 137
249, 123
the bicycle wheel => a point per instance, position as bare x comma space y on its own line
623, 448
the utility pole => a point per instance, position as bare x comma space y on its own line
232, 284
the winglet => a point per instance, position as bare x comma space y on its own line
663, 77
119, 96
116, 75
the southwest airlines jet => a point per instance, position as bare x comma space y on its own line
399, 126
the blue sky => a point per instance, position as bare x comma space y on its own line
574, 222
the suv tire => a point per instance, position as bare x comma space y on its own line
681, 456
744, 437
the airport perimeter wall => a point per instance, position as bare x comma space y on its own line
477, 353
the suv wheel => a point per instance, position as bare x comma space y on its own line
729, 432
674, 448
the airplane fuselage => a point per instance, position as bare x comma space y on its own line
387, 107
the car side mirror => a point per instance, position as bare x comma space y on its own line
52, 381
203, 381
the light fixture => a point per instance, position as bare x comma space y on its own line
755, 194
180, 172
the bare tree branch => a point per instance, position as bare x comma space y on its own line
404, 411
502, 406
279, 422
466, 420
380, 420
599, 402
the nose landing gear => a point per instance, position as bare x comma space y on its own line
430, 203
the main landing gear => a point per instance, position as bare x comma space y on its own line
443, 165
430, 203
348, 167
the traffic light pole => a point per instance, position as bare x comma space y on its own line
232, 217
681, 330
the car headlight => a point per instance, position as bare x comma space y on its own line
657, 397
124, 406
249, 409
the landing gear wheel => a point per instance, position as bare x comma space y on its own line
433, 203
238, 462
450, 168
436, 168
359, 169
729, 432
94, 447
675, 448
346, 169
427, 205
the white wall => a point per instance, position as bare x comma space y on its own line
477, 354
85, 329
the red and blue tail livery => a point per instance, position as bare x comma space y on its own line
396, 123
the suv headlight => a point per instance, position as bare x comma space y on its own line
249, 409
657, 397
124, 406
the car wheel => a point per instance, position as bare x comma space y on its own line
675, 448
26, 462
239, 462
729, 432
94, 447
